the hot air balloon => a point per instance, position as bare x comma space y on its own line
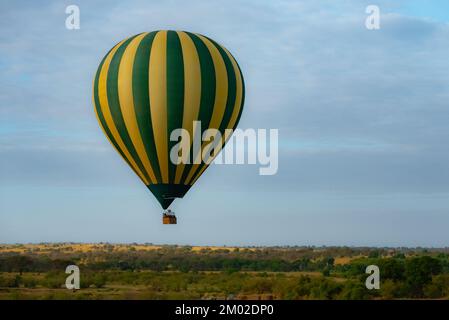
152, 83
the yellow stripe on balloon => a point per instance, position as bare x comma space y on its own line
235, 111
158, 99
109, 139
126, 99
221, 95
192, 90
104, 106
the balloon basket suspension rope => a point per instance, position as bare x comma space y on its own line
168, 217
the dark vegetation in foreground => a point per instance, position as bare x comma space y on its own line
172, 272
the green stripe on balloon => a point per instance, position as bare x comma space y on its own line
243, 93
114, 104
230, 102
232, 88
141, 98
207, 91
100, 113
175, 92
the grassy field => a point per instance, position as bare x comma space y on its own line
148, 271
163, 285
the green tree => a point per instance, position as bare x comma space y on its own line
438, 288
390, 289
391, 268
354, 291
418, 272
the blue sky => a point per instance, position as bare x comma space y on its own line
362, 118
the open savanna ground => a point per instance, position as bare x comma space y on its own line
45, 248
147, 271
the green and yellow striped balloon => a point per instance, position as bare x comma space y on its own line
152, 83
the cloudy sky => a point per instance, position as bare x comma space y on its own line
362, 118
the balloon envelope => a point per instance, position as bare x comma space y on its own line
152, 83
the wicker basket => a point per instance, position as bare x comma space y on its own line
168, 219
